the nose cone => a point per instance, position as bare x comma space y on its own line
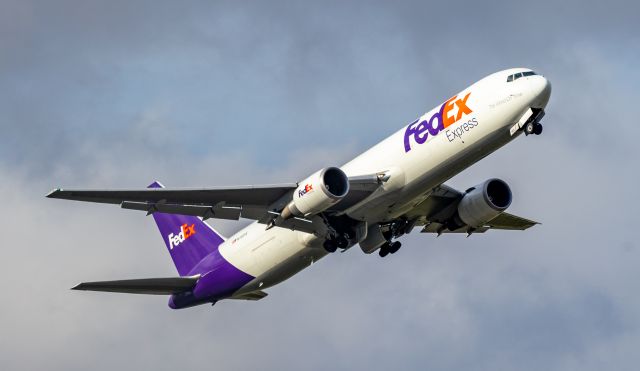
541, 91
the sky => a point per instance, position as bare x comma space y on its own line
116, 94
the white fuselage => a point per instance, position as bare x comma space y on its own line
477, 121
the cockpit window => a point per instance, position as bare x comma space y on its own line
516, 76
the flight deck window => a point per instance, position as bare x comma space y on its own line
516, 76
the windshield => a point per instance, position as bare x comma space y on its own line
518, 75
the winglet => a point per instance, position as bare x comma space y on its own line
53, 192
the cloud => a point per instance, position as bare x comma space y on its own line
116, 95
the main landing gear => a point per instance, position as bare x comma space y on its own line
389, 248
342, 234
335, 243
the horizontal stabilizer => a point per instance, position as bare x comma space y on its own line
149, 286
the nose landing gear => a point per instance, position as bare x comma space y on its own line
532, 127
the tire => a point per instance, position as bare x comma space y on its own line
383, 252
394, 247
350, 235
330, 246
537, 129
342, 243
528, 128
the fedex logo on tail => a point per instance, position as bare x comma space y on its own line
186, 231
420, 130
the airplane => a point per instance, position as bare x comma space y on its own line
372, 200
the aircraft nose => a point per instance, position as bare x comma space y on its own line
541, 91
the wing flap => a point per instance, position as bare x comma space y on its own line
148, 286
438, 229
504, 221
511, 222
218, 212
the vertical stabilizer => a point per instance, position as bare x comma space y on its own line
188, 238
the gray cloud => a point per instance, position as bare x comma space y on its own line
103, 94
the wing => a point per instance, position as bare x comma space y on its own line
149, 286
241, 195
262, 202
441, 204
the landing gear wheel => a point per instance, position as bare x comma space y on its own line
384, 250
394, 247
529, 128
349, 235
342, 243
330, 245
537, 128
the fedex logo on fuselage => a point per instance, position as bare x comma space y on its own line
186, 231
307, 188
420, 130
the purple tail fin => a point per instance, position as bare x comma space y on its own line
188, 238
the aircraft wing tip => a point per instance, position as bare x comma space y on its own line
53, 193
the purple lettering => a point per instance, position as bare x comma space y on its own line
407, 134
435, 129
421, 131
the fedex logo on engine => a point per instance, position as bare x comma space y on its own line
186, 231
307, 188
420, 129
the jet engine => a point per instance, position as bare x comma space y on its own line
317, 193
484, 202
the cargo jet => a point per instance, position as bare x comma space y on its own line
371, 201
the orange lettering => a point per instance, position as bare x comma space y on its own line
188, 230
462, 107
446, 119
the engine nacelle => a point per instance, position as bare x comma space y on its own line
484, 202
317, 193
